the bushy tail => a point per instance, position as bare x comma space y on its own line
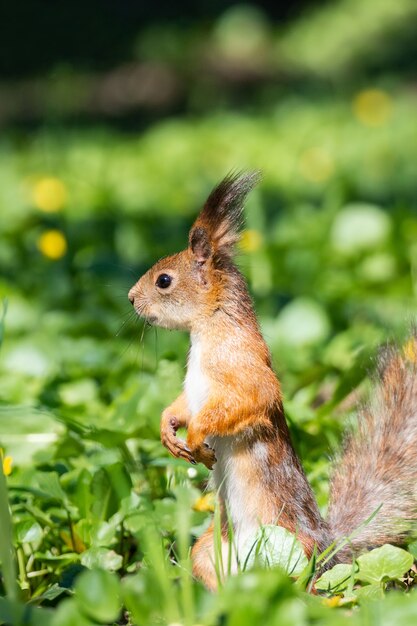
377, 470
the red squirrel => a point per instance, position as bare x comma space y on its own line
233, 411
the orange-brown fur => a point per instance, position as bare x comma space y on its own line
232, 403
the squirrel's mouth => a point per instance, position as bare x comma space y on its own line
141, 312
149, 319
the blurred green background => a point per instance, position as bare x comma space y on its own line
117, 118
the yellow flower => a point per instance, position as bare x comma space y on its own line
49, 194
205, 503
372, 107
52, 244
316, 164
7, 462
251, 240
410, 350
333, 601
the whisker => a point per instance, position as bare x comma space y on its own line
156, 346
143, 331
128, 312
117, 286
125, 318
124, 267
142, 345
127, 348
120, 295
129, 319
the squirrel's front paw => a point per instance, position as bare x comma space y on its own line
205, 454
176, 446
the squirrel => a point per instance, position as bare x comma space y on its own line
232, 408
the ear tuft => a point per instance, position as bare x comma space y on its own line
221, 216
200, 244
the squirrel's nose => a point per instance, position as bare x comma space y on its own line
131, 297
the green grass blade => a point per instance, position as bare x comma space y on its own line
3, 321
6, 541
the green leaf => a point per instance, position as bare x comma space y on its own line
12, 612
412, 547
69, 613
83, 497
250, 598
370, 592
104, 501
98, 595
274, 545
119, 479
385, 563
110, 485
102, 557
103, 533
79, 392
28, 531
137, 597
24, 431
48, 482
52, 592
135, 522
335, 579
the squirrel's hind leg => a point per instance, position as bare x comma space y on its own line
208, 566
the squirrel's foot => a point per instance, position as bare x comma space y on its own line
175, 445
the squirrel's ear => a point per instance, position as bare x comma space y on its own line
200, 244
216, 230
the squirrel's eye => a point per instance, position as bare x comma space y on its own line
163, 281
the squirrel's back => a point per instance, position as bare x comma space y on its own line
376, 474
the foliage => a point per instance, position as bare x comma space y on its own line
374, 569
101, 519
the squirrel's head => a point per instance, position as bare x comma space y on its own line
183, 290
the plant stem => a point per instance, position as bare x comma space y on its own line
24, 583
7, 556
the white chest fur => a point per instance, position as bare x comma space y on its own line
228, 476
196, 383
